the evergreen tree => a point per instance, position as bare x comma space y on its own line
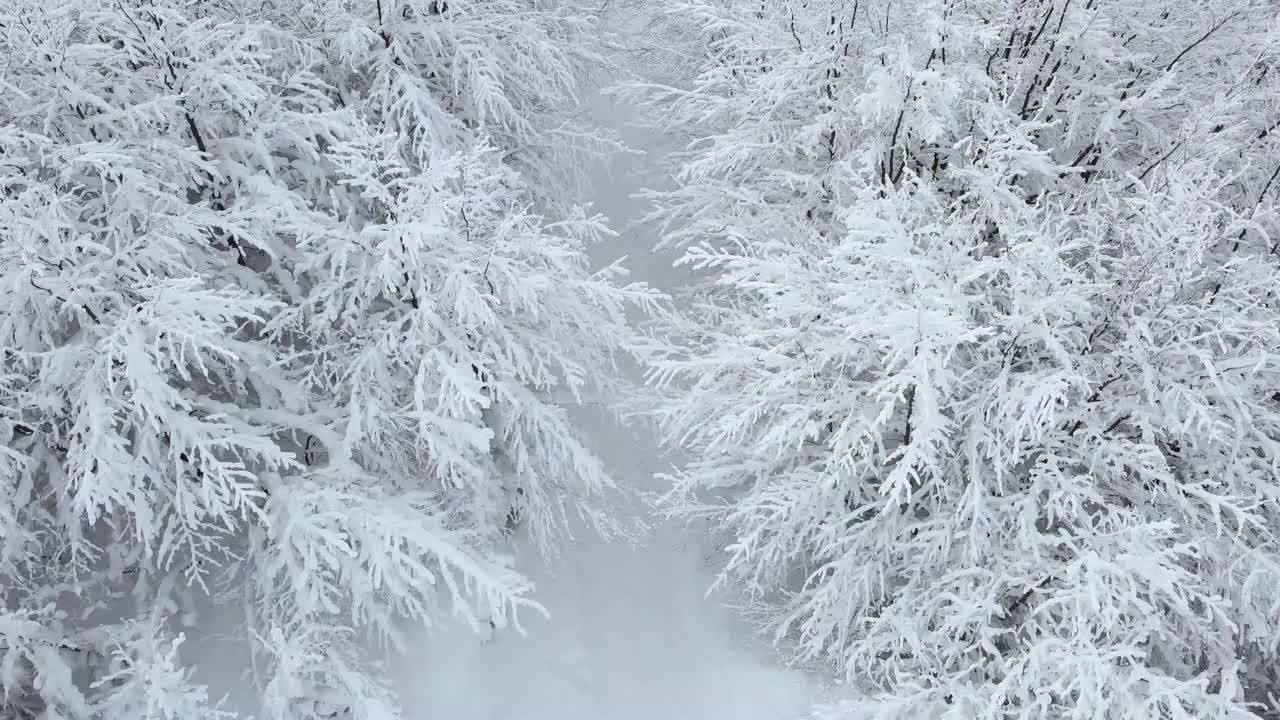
983, 376
288, 296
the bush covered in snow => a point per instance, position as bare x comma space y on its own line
983, 375
285, 290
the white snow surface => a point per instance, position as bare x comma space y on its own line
631, 632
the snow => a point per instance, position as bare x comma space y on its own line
630, 635
1000, 426
631, 632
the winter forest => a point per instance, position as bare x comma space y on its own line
705, 359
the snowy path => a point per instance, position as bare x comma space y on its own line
631, 634
630, 637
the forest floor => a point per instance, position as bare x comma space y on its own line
631, 632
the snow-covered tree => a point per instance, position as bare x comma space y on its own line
983, 379
289, 300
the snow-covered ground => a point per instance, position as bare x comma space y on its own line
631, 633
